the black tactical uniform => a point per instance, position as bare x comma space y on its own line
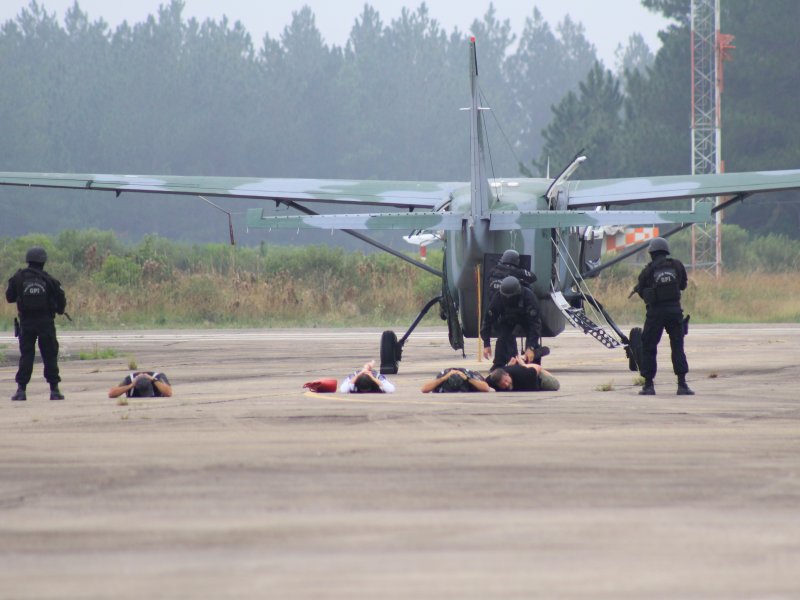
514, 305
509, 265
39, 297
660, 285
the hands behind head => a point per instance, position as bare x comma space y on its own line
368, 368
522, 361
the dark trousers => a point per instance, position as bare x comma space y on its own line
505, 347
659, 319
43, 330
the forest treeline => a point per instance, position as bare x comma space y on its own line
159, 282
172, 95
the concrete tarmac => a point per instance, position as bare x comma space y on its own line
243, 486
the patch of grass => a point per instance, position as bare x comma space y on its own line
122, 401
713, 375
159, 283
132, 364
638, 380
98, 354
605, 387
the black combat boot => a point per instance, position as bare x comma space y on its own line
540, 352
648, 389
20, 394
55, 394
683, 388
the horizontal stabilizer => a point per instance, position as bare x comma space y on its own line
545, 219
408, 220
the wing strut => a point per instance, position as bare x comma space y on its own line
230, 219
597, 270
369, 240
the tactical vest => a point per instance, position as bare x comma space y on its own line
666, 285
514, 308
33, 297
502, 270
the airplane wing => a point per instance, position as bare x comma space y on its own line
574, 199
598, 192
399, 194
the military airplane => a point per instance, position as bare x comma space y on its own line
544, 219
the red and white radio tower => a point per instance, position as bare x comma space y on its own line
710, 49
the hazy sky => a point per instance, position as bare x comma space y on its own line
607, 22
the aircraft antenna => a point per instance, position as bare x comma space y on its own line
488, 146
500, 127
710, 49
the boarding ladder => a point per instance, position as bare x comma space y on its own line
578, 319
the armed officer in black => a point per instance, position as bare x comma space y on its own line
509, 265
513, 305
660, 285
39, 296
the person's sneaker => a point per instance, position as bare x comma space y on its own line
648, 389
20, 394
55, 394
539, 352
684, 390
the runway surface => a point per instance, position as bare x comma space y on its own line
243, 486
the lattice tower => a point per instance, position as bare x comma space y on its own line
706, 130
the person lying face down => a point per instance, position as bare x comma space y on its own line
366, 381
456, 380
519, 376
142, 384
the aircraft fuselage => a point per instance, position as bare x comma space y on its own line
465, 251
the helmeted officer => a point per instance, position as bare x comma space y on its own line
39, 296
513, 305
660, 285
509, 265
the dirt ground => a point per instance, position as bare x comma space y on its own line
243, 486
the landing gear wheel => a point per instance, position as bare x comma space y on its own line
634, 349
391, 352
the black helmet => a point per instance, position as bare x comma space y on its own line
510, 257
36, 255
510, 286
658, 244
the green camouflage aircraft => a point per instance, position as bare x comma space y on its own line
543, 219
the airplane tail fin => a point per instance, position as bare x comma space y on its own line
479, 181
